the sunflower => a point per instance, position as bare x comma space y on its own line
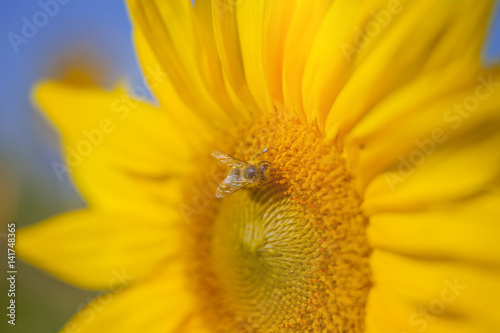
381, 129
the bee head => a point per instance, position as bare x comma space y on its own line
265, 171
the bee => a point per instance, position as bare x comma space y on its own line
251, 173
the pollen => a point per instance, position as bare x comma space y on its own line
287, 256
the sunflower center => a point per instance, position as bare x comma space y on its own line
261, 242
287, 255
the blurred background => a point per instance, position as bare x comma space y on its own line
80, 40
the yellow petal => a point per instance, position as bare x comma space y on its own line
159, 303
122, 153
327, 68
389, 313
467, 230
251, 41
239, 99
387, 134
432, 296
113, 126
422, 180
407, 53
177, 110
93, 249
275, 30
228, 46
304, 27
174, 37
105, 187
250, 16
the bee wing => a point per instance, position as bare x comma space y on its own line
230, 185
226, 159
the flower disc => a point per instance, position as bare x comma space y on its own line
283, 256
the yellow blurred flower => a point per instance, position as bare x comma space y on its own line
383, 214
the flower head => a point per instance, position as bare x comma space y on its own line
381, 127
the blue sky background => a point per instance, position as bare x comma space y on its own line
95, 30
492, 45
